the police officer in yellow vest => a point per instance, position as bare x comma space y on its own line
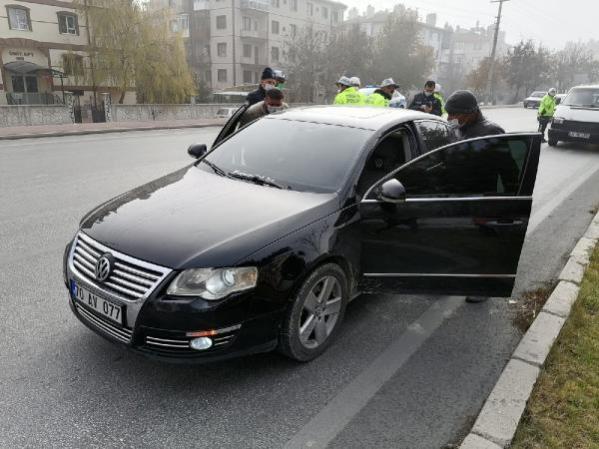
382, 96
546, 111
348, 94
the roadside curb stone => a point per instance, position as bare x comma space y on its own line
582, 251
501, 413
562, 299
474, 441
536, 344
572, 272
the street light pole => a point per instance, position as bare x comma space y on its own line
490, 79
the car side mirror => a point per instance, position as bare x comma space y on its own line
197, 150
392, 191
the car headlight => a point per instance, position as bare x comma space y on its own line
558, 120
213, 283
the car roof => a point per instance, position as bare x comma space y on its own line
363, 117
589, 86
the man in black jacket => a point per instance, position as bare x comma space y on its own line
426, 101
267, 82
463, 112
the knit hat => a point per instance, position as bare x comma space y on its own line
461, 102
268, 74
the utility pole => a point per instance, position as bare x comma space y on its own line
491, 79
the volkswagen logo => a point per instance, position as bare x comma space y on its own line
103, 267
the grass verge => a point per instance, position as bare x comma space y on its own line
563, 411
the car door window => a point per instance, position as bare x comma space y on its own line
482, 167
434, 134
231, 126
392, 152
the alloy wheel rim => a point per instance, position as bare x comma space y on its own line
320, 312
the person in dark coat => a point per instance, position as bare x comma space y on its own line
267, 82
426, 101
463, 112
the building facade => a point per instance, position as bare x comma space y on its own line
43, 47
229, 42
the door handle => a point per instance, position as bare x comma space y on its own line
504, 223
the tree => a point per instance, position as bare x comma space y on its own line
574, 59
399, 52
132, 48
527, 67
477, 79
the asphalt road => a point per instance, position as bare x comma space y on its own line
406, 372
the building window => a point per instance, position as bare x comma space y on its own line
221, 22
274, 54
275, 27
325, 13
221, 49
208, 75
292, 30
248, 77
180, 24
67, 23
310, 8
335, 16
18, 18
221, 75
293, 5
72, 65
247, 51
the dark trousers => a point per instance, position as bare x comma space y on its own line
543, 123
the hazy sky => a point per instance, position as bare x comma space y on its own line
551, 21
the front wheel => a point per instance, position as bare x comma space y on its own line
316, 314
553, 142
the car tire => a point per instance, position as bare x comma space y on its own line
314, 319
552, 142
525, 105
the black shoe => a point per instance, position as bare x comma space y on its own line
476, 299
543, 140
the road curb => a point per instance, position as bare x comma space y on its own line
105, 131
498, 420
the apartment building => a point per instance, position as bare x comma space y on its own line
229, 42
43, 53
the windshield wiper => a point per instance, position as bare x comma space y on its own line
216, 168
256, 179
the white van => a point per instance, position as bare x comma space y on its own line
576, 119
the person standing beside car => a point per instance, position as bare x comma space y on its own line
426, 101
273, 102
348, 94
267, 82
382, 96
546, 111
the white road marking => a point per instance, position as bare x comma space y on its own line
332, 419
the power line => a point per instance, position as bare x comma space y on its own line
490, 79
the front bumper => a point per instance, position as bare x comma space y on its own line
563, 135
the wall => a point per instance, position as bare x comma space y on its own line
34, 115
149, 112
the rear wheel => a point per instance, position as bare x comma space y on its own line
553, 142
316, 315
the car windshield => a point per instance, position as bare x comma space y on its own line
300, 155
583, 97
538, 94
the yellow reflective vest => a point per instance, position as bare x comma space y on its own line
377, 100
350, 96
547, 107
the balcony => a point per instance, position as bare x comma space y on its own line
255, 34
258, 5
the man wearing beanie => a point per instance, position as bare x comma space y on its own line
463, 112
267, 82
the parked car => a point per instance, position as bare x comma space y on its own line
576, 119
261, 242
397, 101
225, 112
534, 101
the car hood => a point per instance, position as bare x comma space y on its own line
192, 218
577, 114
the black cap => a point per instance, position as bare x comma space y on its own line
267, 74
461, 102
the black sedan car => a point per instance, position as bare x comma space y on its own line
261, 243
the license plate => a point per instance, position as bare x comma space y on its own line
579, 135
97, 303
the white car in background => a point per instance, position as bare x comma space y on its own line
397, 101
576, 119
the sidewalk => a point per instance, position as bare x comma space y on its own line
74, 129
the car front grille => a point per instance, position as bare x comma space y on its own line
120, 333
583, 127
158, 342
131, 279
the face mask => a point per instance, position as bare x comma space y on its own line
428, 94
273, 109
455, 123
268, 87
